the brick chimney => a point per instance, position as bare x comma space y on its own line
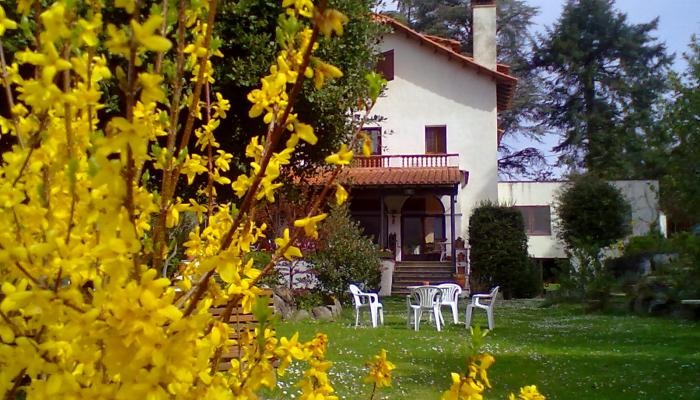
484, 32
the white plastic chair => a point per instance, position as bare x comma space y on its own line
427, 298
485, 302
369, 300
450, 297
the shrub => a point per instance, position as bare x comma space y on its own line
673, 275
591, 213
345, 255
499, 251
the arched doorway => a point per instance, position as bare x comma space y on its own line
422, 228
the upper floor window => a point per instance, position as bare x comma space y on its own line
538, 220
435, 139
374, 133
385, 65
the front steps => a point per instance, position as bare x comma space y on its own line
414, 273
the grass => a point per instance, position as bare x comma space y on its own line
567, 353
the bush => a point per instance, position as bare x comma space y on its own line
499, 251
591, 213
673, 275
344, 255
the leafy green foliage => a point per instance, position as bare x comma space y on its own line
591, 213
674, 148
345, 255
674, 272
499, 251
604, 78
247, 31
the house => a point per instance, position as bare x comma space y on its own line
435, 150
435, 153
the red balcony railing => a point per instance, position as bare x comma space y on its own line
407, 160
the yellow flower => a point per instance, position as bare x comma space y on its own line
150, 88
484, 361
342, 157
380, 370
305, 132
309, 224
341, 195
241, 185
366, 144
5, 23
527, 393
127, 5
146, 36
303, 7
323, 70
290, 251
331, 21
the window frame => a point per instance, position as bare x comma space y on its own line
436, 128
529, 219
371, 131
385, 64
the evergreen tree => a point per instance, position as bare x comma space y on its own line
674, 149
453, 19
605, 77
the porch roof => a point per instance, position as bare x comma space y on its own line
402, 176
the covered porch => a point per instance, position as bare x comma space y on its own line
409, 211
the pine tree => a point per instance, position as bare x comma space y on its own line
605, 77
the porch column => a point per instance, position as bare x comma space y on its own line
452, 230
382, 227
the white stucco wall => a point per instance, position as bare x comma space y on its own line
429, 89
642, 196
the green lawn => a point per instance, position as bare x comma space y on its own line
567, 353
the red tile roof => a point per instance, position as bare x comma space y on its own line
399, 176
505, 83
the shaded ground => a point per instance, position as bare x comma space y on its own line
567, 353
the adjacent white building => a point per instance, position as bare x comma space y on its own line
536, 201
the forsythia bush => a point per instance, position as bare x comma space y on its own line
84, 312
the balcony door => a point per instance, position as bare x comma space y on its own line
422, 228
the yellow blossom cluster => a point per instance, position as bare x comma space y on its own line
380, 370
87, 308
471, 386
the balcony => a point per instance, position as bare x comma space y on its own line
407, 161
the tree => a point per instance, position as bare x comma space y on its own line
674, 147
604, 78
453, 19
591, 212
246, 30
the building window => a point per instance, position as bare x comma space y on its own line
538, 220
435, 139
385, 65
375, 134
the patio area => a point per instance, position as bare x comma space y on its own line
564, 351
